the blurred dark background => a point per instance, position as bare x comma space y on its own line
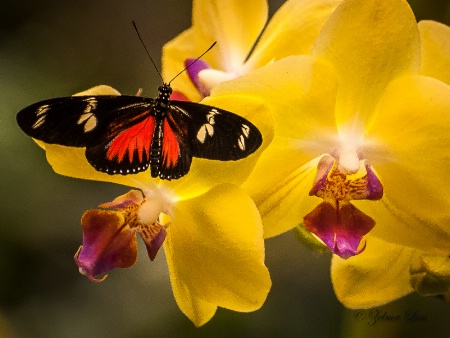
52, 48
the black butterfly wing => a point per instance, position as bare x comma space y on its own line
213, 133
117, 131
79, 121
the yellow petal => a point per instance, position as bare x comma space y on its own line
280, 185
410, 150
435, 43
99, 90
378, 275
291, 31
197, 310
205, 174
403, 228
69, 161
369, 43
299, 92
215, 248
234, 24
174, 53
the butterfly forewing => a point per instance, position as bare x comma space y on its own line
79, 121
213, 133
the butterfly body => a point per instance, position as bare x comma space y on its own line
128, 134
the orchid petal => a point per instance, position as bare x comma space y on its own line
282, 196
413, 138
99, 90
291, 31
174, 54
369, 43
234, 24
196, 309
69, 161
215, 249
193, 68
299, 92
108, 243
430, 275
178, 96
435, 45
376, 276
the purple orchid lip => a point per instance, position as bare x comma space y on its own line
338, 223
340, 227
107, 244
109, 236
194, 67
155, 244
374, 186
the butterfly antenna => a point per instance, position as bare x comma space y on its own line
190, 64
143, 44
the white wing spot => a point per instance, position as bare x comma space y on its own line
207, 129
204, 130
42, 109
210, 116
87, 118
245, 130
241, 142
91, 104
39, 122
40, 114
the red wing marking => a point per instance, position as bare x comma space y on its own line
137, 137
170, 146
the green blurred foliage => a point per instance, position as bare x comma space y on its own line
55, 48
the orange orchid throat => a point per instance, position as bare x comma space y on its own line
338, 223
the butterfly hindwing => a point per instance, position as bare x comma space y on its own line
123, 150
175, 156
213, 133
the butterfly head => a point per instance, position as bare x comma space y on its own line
163, 99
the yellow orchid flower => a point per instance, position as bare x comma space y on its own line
388, 271
236, 26
362, 138
210, 229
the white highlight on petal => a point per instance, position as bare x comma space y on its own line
348, 159
212, 77
158, 200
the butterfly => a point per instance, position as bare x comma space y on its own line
127, 134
